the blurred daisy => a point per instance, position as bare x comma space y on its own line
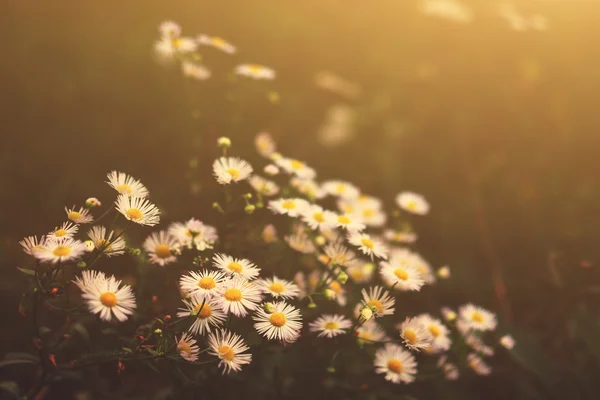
452, 10
477, 318
230, 348
217, 43
284, 323
298, 168
399, 236
105, 296
337, 292
413, 203
350, 223
293, 207
450, 370
202, 284
301, 243
317, 218
423, 267
126, 184
88, 277
269, 234
168, 48
271, 169
439, 333
368, 245
478, 365
371, 332
373, 217
342, 189
398, 365
360, 272
448, 314
169, 29
255, 71
264, 144
66, 230
277, 287
401, 277
238, 296
264, 186
443, 272
207, 313
338, 254
138, 210
108, 246
416, 336
31, 245
507, 341
380, 299
60, 250
231, 169
476, 343
162, 248
307, 187
330, 325
194, 70
82, 216
236, 266
187, 348
194, 233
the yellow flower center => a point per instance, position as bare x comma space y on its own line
477, 317
74, 216
318, 216
134, 214
368, 243
60, 232
184, 347
434, 330
277, 319
176, 43
395, 366
108, 299
369, 212
226, 353
410, 336
235, 267
104, 244
377, 304
335, 286
401, 274
163, 251
331, 326
234, 172
203, 313
61, 251
365, 335
218, 42
340, 188
124, 189
277, 287
295, 164
289, 204
411, 205
342, 219
233, 294
207, 283
356, 274
255, 68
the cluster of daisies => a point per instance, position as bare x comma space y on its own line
173, 46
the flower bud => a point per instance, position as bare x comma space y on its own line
329, 294
224, 142
443, 272
89, 246
158, 332
320, 240
248, 196
331, 370
92, 202
342, 278
366, 313
269, 307
81, 264
312, 304
249, 209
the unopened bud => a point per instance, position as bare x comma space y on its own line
89, 246
81, 264
269, 307
312, 304
158, 332
320, 240
248, 196
366, 313
443, 272
134, 252
331, 370
249, 209
92, 202
448, 314
224, 142
342, 278
329, 294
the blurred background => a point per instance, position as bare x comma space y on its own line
493, 119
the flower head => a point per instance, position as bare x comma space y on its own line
236, 266
66, 230
293, 207
277, 287
439, 333
255, 71
194, 233
187, 348
507, 341
238, 296
31, 245
194, 70
231, 169
202, 284
380, 299
59, 250
81, 216
398, 365
265, 145
207, 314
477, 318
317, 218
229, 348
416, 336
371, 332
368, 245
162, 248
138, 210
105, 296
283, 323
263, 186
217, 43
413, 203
105, 242
169, 29
330, 325
126, 184
478, 365
295, 167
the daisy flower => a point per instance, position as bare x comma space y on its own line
301, 243
330, 325
413, 203
187, 348
126, 184
169, 29
60, 250
264, 144
478, 365
338, 292
230, 348
317, 218
66, 230
398, 365
238, 296
477, 318
338, 254
368, 245
207, 314
82, 216
371, 332
342, 189
399, 236
507, 341
217, 43
453, 10
138, 210
448, 314
92, 202
269, 234
271, 170
263, 186
380, 299
284, 323
278, 287
255, 71
293, 207
231, 169
307, 187
424, 268
108, 246
162, 248
477, 344
295, 167
349, 222
439, 333
105, 297
193, 233
360, 272
401, 277
236, 266
372, 217
31, 245
194, 70
416, 336
168, 48
450, 370
88, 277
202, 284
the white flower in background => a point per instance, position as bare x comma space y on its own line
167, 49
317, 218
336, 84
105, 296
269, 234
81, 216
202, 284
416, 336
477, 318
413, 203
348, 222
342, 189
398, 365
207, 314
283, 323
31, 245
66, 230
450, 370
476, 343
187, 348
138, 210
169, 29
519, 22
330, 325
507, 341
271, 170
338, 254
478, 365
307, 187
295, 167
439, 332
106, 243
238, 296
194, 70
217, 43
255, 71
336, 292
194, 233
60, 250
338, 126
293, 207
360, 271
399, 236
371, 332
452, 10
264, 186
301, 243
236, 266
424, 268
229, 348
373, 217
443, 272
231, 169
126, 184
277, 287
162, 248
92, 202
380, 299
368, 245
401, 277
265, 145
448, 314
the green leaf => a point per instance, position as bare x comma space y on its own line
26, 271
